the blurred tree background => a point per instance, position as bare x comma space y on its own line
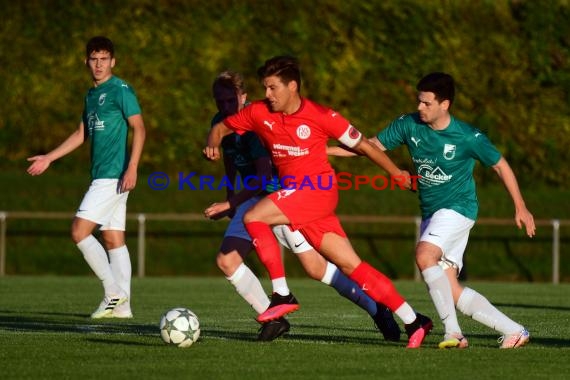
363, 58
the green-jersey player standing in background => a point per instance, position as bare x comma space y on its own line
110, 108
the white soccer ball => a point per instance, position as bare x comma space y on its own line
179, 327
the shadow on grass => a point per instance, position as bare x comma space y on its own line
73, 323
297, 334
44, 322
527, 306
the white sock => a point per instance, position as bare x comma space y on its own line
440, 292
480, 309
406, 313
329, 273
120, 261
280, 286
96, 257
249, 288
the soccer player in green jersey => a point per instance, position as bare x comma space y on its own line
110, 108
444, 151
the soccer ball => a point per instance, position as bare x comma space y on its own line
179, 327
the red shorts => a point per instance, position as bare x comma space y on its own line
312, 211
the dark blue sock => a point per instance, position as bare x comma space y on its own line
349, 289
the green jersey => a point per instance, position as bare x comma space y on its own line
106, 110
444, 160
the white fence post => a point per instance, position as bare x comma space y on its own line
2, 243
417, 276
555, 251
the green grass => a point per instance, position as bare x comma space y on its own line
45, 332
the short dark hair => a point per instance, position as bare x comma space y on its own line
229, 79
99, 43
283, 66
441, 84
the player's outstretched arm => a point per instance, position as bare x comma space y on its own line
344, 151
40, 163
217, 133
340, 151
522, 215
376, 155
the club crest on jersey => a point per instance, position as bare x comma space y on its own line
449, 151
102, 99
303, 131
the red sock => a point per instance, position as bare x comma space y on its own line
377, 286
267, 248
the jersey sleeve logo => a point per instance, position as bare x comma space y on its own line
269, 124
351, 137
353, 133
303, 131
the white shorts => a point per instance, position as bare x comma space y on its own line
105, 205
449, 230
294, 240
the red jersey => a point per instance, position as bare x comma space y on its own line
297, 142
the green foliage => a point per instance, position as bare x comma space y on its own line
510, 60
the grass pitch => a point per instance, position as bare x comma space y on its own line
46, 333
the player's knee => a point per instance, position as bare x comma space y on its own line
80, 229
249, 217
425, 260
113, 239
77, 235
221, 262
227, 263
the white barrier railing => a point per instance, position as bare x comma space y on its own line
142, 218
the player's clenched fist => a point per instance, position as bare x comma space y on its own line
212, 153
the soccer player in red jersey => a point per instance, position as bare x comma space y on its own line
295, 130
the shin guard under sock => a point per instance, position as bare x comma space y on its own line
267, 248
